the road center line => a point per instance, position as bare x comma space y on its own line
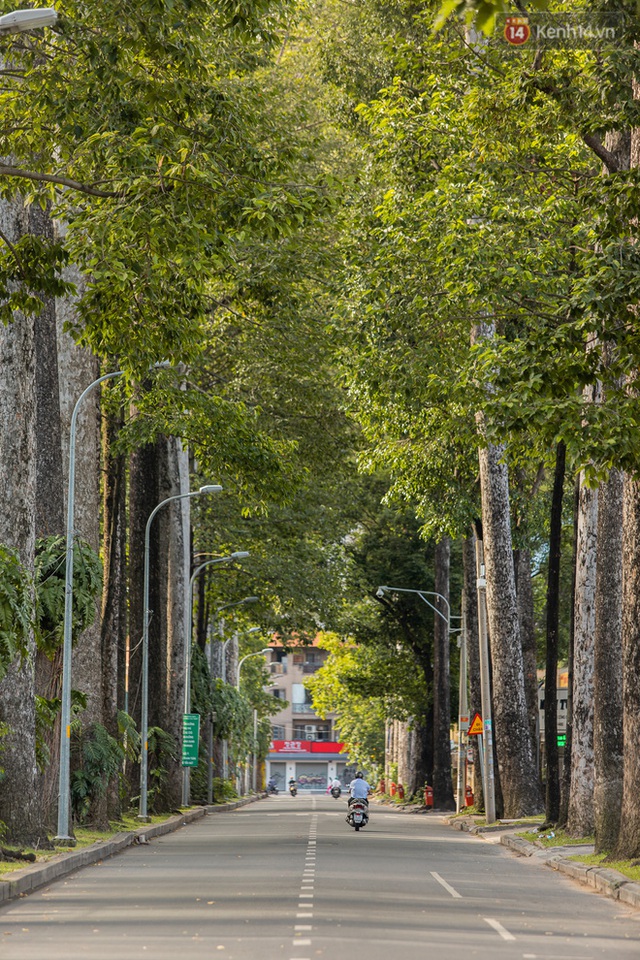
497, 926
447, 886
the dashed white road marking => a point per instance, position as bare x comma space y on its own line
303, 926
447, 886
497, 926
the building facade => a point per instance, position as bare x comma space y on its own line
303, 746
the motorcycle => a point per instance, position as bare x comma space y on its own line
293, 790
335, 792
271, 788
358, 815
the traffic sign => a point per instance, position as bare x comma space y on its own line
476, 726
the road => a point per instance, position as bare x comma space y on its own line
287, 879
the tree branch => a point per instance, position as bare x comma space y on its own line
7, 171
609, 159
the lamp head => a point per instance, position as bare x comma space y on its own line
21, 20
239, 554
254, 630
210, 488
250, 600
380, 593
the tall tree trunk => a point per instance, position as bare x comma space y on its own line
607, 728
114, 597
50, 492
173, 565
143, 498
516, 760
580, 821
552, 799
443, 798
526, 625
78, 368
20, 807
565, 781
470, 614
628, 845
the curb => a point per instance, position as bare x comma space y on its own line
609, 882
22, 882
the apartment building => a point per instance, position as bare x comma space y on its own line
303, 745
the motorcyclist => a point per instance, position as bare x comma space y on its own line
292, 784
359, 789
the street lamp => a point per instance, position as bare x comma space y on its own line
258, 653
462, 705
237, 555
22, 20
144, 719
63, 834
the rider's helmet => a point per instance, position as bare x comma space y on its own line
359, 775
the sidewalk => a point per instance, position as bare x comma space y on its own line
609, 882
21, 882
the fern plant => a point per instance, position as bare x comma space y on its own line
50, 574
96, 757
16, 602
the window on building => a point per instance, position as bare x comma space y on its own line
277, 732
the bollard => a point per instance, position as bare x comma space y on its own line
400, 792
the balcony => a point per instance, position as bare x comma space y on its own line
303, 709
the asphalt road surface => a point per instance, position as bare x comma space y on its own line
288, 879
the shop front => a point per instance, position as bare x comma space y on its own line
309, 762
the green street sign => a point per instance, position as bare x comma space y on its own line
190, 739
562, 739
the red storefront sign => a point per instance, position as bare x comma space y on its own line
305, 746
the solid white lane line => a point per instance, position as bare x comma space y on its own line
447, 886
497, 926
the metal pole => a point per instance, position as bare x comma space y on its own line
63, 834
463, 716
487, 725
144, 713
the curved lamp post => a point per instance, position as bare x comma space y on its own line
144, 719
463, 708
258, 653
254, 757
237, 555
63, 834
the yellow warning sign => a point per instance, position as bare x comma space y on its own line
476, 726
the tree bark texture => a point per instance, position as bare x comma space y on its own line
516, 761
552, 798
443, 798
20, 796
77, 369
580, 821
607, 688
114, 596
565, 777
628, 845
526, 625
470, 614
143, 498
173, 564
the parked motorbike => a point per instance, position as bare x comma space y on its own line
335, 792
293, 790
358, 815
271, 788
